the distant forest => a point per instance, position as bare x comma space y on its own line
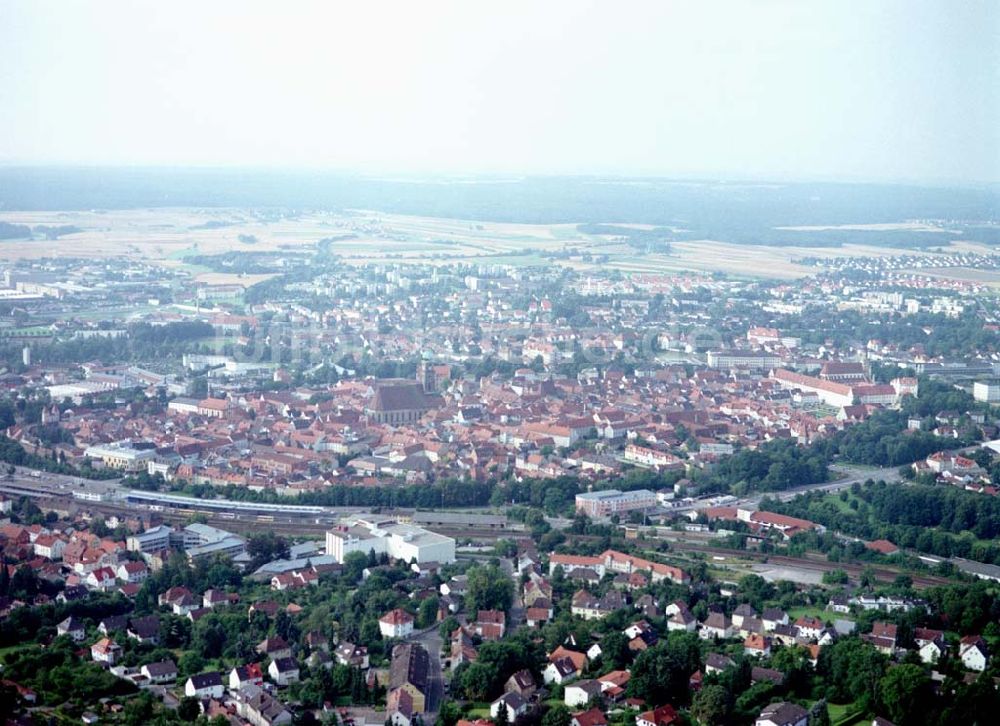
41, 231
746, 213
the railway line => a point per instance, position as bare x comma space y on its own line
815, 564
312, 521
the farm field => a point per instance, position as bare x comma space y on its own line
171, 236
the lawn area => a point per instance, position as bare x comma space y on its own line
842, 714
816, 611
478, 710
14, 648
844, 507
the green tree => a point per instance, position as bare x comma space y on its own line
427, 612
711, 705
558, 715
489, 588
188, 709
819, 714
503, 717
905, 691
662, 672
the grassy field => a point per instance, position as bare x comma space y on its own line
816, 611
842, 714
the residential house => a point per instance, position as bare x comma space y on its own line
205, 685
973, 653
491, 624
662, 716
513, 703
101, 578
783, 714
409, 672
772, 618
682, 619
352, 655
716, 625
757, 645
809, 627
105, 651
741, 613
523, 683
274, 648
259, 708
73, 627
883, 637
160, 673
716, 663
284, 671
132, 572
579, 693
590, 717
246, 675
767, 675
560, 671
396, 624
145, 630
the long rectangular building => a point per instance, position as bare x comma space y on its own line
829, 392
758, 360
407, 542
615, 561
612, 501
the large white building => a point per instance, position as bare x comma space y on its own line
753, 359
201, 540
154, 539
197, 540
123, 455
407, 542
986, 391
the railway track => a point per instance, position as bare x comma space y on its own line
313, 525
815, 564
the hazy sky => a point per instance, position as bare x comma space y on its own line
856, 89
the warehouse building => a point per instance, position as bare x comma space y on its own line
407, 542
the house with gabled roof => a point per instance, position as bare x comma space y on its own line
561, 670
105, 651
73, 627
973, 653
661, 716
205, 685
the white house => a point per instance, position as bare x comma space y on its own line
772, 618
205, 685
102, 578
132, 572
244, 676
514, 703
73, 627
560, 671
931, 651
579, 693
783, 714
49, 546
809, 627
162, 672
716, 625
284, 671
105, 651
396, 624
972, 651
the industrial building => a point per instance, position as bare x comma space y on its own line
407, 542
612, 501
